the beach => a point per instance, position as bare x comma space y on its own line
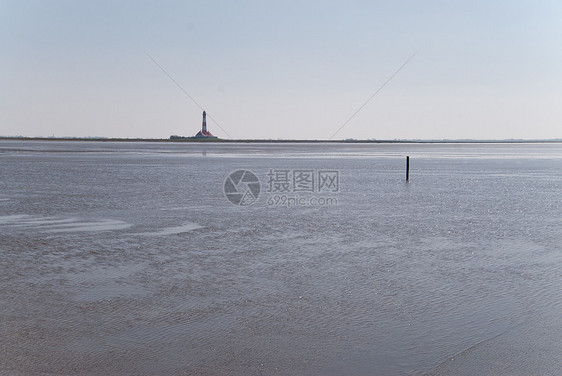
317, 259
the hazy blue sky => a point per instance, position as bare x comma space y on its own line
282, 69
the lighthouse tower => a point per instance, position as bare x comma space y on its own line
204, 127
204, 133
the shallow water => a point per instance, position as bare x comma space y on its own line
127, 258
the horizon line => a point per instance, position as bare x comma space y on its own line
221, 140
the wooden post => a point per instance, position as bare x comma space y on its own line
407, 168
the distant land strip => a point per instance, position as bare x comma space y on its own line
219, 140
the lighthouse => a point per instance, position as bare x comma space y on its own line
204, 133
204, 126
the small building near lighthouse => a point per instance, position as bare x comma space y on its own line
204, 133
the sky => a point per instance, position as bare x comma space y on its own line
282, 69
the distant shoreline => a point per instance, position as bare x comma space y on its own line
219, 140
